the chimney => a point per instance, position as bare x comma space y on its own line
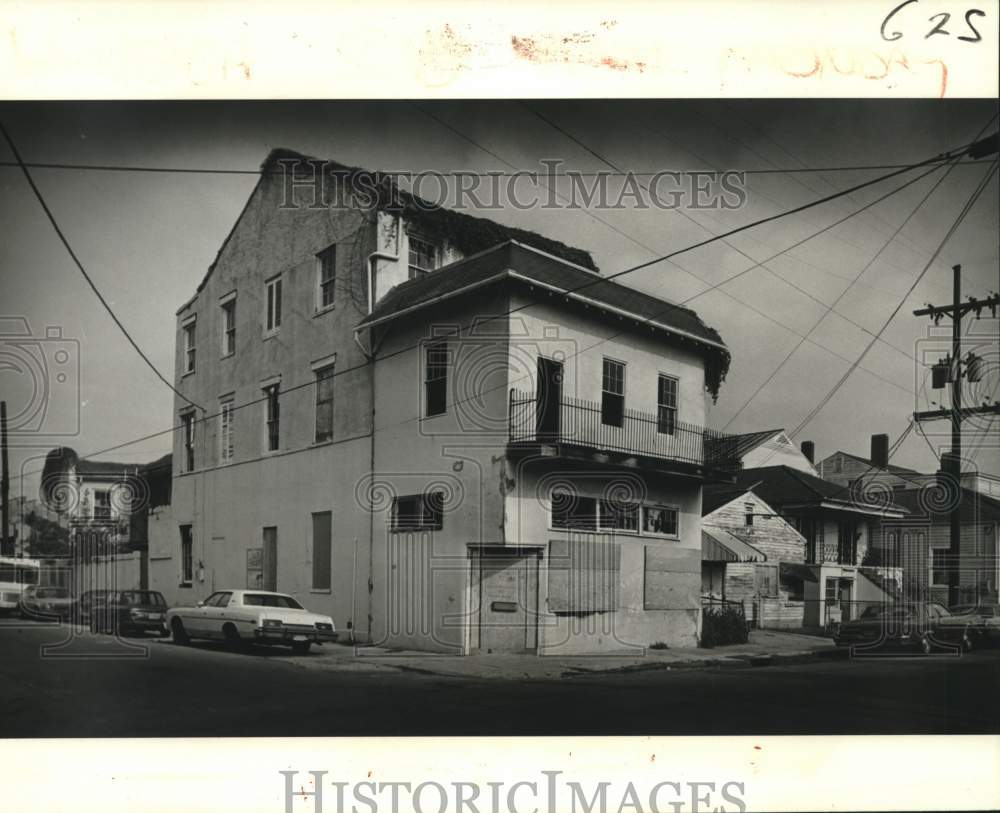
809, 450
880, 451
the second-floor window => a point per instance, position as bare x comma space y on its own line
226, 442
102, 505
187, 434
436, 378
189, 347
666, 404
613, 393
272, 315
423, 255
271, 417
748, 514
324, 404
229, 327
327, 260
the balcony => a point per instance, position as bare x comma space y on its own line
576, 428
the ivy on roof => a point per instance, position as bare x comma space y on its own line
468, 233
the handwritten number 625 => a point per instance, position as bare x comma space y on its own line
942, 19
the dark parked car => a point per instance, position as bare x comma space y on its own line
129, 611
983, 621
45, 603
86, 602
924, 626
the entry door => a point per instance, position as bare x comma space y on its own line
269, 555
844, 597
508, 602
548, 395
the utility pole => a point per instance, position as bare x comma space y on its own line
950, 370
4, 483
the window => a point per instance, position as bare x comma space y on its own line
220, 599
436, 378
423, 256
613, 393
573, 512
189, 348
327, 259
767, 580
748, 514
229, 327
618, 515
418, 512
838, 465
187, 553
272, 317
226, 445
267, 600
939, 567
272, 417
324, 404
321, 550
102, 505
187, 428
660, 520
666, 404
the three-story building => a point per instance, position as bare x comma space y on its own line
446, 433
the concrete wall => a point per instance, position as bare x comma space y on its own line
421, 581
228, 505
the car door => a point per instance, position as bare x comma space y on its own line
195, 619
214, 614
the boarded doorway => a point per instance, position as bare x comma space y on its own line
508, 601
269, 555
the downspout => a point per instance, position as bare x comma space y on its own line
377, 255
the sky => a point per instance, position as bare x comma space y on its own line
148, 238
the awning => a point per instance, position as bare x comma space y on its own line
796, 570
719, 545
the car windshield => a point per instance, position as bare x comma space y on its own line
52, 592
964, 609
148, 597
270, 600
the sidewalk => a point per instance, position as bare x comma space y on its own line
766, 647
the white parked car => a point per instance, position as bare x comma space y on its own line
250, 616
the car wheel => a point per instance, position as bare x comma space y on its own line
926, 645
232, 638
178, 632
94, 625
301, 647
967, 643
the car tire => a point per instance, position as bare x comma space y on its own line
94, 625
926, 644
301, 647
178, 633
232, 638
968, 644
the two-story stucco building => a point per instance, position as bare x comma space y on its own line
446, 433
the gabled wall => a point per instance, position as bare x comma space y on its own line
779, 450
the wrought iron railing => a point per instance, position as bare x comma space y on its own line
576, 422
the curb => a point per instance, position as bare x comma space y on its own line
742, 661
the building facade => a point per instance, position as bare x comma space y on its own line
445, 433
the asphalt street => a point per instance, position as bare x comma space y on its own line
54, 685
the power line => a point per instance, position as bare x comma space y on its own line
735, 248
958, 220
843, 293
478, 322
470, 173
79, 265
690, 273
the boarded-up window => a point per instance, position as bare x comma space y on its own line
671, 577
322, 533
767, 580
583, 575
